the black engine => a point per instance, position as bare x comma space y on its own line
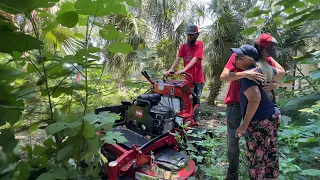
147, 117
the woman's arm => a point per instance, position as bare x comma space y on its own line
279, 69
254, 97
279, 75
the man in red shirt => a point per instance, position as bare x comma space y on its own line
267, 47
192, 54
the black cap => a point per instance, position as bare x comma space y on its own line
248, 50
192, 29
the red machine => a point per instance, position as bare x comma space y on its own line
148, 123
182, 90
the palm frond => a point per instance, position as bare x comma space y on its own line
62, 40
222, 35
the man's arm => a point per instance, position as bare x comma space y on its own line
175, 63
190, 64
227, 75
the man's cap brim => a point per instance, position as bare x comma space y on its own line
237, 51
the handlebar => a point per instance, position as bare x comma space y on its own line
185, 74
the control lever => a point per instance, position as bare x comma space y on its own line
145, 74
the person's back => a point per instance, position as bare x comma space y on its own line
267, 106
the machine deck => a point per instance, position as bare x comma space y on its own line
132, 137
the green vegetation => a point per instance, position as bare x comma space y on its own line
61, 59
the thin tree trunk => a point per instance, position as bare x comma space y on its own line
214, 88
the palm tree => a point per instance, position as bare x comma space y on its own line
222, 35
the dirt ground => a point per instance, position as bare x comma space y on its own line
212, 116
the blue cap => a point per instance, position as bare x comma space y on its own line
192, 29
247, 50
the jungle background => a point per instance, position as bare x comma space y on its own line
62, 59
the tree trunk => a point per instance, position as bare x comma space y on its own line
214, 88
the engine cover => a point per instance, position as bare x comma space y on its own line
150, 120
163, 119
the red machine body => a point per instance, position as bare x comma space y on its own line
140, 158
182, 89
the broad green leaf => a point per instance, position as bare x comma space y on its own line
120, 47
310, 172
18, 42
49, 142
49, 26
66, 7
6, 25
68, 19
93, 144
24, 91
91, 118
256, 12
59, 173
130, 2
45, 176
315, 76
113, 138
57, 70
8, 141
94, 49
71, 117
295, 104
25, 6
64, 90
88, 130
98, 7
33, 128
249, 30
64, 153
32, 69
39, 150
57, 127
286, 149
11, 113
259, 21
9, 73
44, 14
16, 54
286, 120
58, 115
110, 33
22, 172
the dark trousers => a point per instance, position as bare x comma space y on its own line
198, 91
233, 122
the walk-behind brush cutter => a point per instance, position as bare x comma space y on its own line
148, 123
